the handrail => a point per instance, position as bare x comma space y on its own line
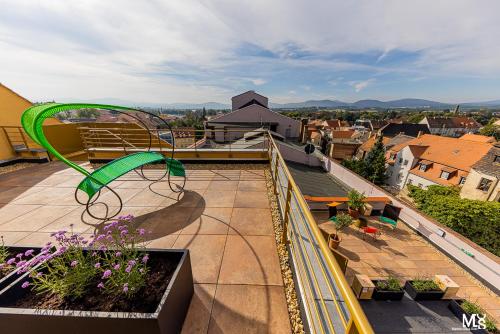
358, 318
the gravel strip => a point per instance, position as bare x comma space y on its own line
286, 272
14, 167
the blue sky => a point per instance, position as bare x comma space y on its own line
290, 50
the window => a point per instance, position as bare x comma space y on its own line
444, 175
420, 185
484, 184
393, 156
410, 181
400, 160
405, 162
423, 167
462, 180
497, 158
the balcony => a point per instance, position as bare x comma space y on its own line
233, 217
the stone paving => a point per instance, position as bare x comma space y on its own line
406, 255
223, 218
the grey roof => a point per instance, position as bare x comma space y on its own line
409, 129
314, 181
399, 139
452, 122
487, 165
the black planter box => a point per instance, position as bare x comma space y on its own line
12, 276
456, 308
168, 317
386, 295
427, 295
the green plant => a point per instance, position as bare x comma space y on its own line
355, 200
4, 253
424, 285
342, 222
478, 221
472, 308
390, 284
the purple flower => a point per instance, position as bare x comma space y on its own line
25, 285
116, 266
100, 237
20, 264
132, 263
39, 275
125, 287
20, 255
141, 231
103, 248
128, 269
145, 258
100, 285
106, 274
29, 252
97, 265
11, 261
141, 270
124, 232
118, 254
74, 263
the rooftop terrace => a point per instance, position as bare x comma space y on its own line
223, 218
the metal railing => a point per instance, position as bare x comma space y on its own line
328, 301
19, 140
196, 140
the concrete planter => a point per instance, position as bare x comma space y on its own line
168, 317
455, 307
425, 295
386, 295
12, 276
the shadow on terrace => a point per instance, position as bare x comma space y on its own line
223, 218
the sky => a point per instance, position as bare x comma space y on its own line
289, 50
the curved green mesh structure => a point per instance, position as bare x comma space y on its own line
32, 122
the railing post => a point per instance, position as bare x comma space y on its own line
284, 236
275, 176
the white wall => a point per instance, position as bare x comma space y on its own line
298, 155
419, 181
482, 266
399, 168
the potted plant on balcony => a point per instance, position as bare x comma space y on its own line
105, 284
464, 308
8, 256
388, 289
342, 222
355, 203
423, 289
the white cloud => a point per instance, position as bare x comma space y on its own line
360, 85
258, 81
157, 50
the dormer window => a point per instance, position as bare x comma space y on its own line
484, 184
393, 156
444, 175
496, 159
423, 167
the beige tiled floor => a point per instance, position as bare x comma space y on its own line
405, 254
223, 218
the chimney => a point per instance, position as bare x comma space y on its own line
419, 134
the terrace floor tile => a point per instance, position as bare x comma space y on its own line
249, 309
251, 221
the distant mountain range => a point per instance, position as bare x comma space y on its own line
402, 103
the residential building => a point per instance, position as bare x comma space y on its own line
250, 110
433, 160
483, 180
451, 126
368, 145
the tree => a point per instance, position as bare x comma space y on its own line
375, 163
478, 221
491, 129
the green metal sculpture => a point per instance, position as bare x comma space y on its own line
93, 183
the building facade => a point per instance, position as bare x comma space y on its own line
483, 182
250, 111
451, 126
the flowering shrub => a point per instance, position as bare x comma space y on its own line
113, 260
4, 254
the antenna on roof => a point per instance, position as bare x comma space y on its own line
457, 109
